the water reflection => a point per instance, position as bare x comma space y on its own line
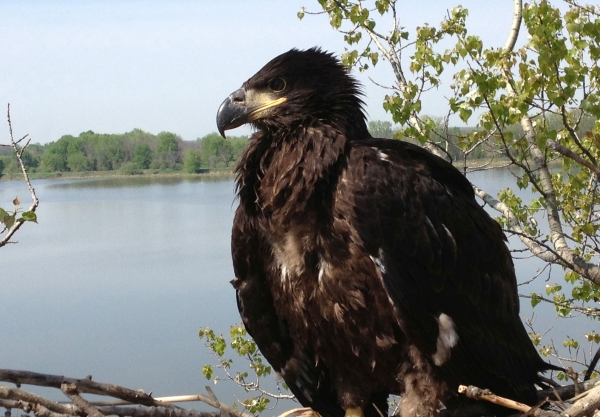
138, 181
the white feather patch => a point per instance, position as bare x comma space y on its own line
378, 261
383, 156
284, 273
447, 339
323, 266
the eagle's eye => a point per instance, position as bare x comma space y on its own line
277, 85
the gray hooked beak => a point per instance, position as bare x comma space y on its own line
243, 107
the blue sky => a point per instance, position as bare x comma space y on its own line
111, 66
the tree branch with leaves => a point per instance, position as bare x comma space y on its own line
13, 219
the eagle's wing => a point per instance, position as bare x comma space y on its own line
307, 380
440, 253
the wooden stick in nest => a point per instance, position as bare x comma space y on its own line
486, 395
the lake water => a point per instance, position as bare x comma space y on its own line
120, 274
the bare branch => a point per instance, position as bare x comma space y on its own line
83, 385
585, 406
141, 411
18, 222
71, 391
17, 394
155, 407
481, 394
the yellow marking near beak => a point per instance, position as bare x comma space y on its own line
269, 105
354, 412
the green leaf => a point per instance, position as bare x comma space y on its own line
552, 288
464, 114
589, 229
9, 220
535, 300
593, 336
219, 347
29, 216
207, 370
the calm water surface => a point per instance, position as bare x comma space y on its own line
116, 280
119, 275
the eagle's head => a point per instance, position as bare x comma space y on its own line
295, 88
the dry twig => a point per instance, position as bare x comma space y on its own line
147, 406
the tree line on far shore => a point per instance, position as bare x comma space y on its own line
136, 151
131, 153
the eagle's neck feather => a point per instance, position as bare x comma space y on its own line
286, 172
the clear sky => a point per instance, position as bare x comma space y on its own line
111, 66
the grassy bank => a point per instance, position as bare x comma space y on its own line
117, 173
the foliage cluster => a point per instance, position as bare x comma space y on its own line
104, 152
8, 218
242, 345
130, 153
219, 152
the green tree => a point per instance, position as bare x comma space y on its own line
143, 156
1, 168
136, 137
167, 150
217, 152
78, 162
30, 161
381, 129
106, 151
192, 161
238, 146
54, 158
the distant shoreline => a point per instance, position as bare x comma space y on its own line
225, 173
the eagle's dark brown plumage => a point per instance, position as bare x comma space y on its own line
365, 266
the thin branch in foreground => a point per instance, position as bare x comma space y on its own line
147, 406
35, 202
73, 394
19, 395
584, 406
563, 150
84, 385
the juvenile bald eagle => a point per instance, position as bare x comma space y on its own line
365, 266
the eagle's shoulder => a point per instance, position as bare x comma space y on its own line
412, 161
